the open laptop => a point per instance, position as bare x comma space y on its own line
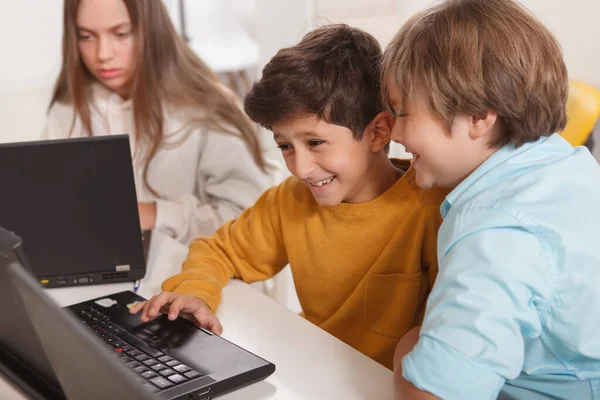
99, 350
74, 203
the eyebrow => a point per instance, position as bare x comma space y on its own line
303, 134
114, 28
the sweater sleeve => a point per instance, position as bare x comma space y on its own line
232, 182
250, 248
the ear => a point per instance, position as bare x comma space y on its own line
379, 131
483, 125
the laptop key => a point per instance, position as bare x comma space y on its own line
149, 374
192, 374
172, 363
161, 382
133, 364
166, 372
150, 362
176, 378
140, 369
142, 357
181, 368
165, 359
134, 353
159, 367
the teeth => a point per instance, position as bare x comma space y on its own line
322, 183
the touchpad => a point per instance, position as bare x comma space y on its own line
170, 334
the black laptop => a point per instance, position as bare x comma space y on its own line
73, 201
99, 350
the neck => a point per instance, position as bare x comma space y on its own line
485, 154
381, 176
387, 174
124, 93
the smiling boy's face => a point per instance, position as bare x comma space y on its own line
334, 165
440, 158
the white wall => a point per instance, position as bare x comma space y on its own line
30, 35
575, 23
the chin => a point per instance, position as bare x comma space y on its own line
424, 182
327, 202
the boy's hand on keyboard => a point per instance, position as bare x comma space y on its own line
174, 303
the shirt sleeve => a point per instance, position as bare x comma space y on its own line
232, 182
483, 306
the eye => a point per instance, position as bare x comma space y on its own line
315, 143
284, 146
123, 35
84, 36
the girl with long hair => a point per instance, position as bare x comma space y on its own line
197, 157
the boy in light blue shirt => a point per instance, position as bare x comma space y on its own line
479, 89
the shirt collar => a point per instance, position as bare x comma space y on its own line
474, 182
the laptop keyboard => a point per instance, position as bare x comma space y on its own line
155, 370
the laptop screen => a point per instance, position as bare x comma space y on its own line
20, 350
73, 202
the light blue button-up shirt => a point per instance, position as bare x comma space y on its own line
518, 288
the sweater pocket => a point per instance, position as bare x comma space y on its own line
391, 302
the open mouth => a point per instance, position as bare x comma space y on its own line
322, 183
415, 156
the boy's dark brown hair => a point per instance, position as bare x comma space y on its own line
333, 73
473, 56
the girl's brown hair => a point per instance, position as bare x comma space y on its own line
473, 56
168, 73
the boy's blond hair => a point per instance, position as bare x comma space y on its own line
473, 56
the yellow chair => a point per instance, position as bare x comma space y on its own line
583, 113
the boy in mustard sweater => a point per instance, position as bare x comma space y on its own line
357, 232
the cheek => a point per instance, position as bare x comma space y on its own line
290, 164
126, 53
348, 163
87, 52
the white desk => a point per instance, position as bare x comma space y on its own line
311, 364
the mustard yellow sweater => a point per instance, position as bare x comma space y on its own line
362, 271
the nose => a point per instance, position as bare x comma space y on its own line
304, 164
105, 49
397, 134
